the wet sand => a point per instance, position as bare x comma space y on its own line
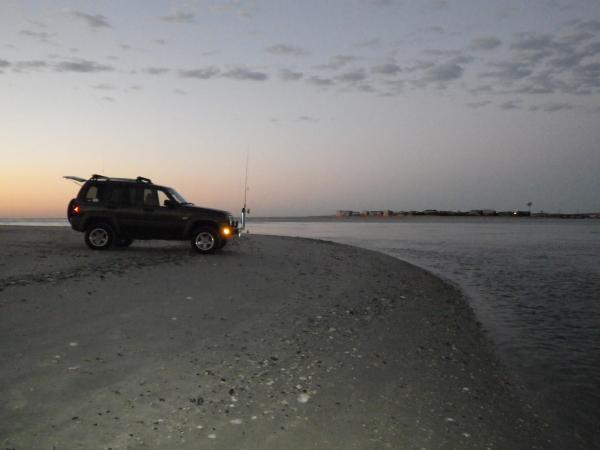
272, 343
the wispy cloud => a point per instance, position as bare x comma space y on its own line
485, 43
510, 105
243, 73
339, 61
308, 119
91, 20
82, 66
156, 70
319, 81
179, 17
286, 49
386, 69
41, 36
443, 72
204, 73
352, 76
290, 75
552, 107
480, 104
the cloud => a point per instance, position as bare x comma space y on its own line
39, 35
375, 42
386, 69
480, 104
285, 49
242, 73
352, 76
108, 99
443, 72
309, 119
290, 75
25, 66
339, 61
4, 63
179, 17
91, 20
82, 66
159, 41
236, 73
104, 87
156, 70
379, 3
552, 107
485, 43
510, 105
202, 74
508, 71
318, 81
440, 4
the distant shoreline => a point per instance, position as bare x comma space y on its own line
62, 222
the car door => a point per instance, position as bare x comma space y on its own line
127, 212
161, 221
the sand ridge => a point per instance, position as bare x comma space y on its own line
273, 343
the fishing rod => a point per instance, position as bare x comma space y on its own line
244, 209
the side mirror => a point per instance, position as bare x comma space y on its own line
170, 203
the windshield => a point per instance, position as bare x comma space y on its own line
178, 197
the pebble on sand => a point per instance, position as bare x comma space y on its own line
303, 398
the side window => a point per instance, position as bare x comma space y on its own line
94, 193
123, 195
150, 197
154, 197
162, 196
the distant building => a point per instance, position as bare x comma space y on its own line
388, 213
345, 213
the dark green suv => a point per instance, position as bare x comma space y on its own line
115, 211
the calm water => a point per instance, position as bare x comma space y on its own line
534, 284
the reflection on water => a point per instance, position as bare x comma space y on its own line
534, 284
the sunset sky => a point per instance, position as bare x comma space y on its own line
356, 104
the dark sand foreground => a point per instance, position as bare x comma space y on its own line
275, 343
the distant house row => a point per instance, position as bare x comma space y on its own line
473, 212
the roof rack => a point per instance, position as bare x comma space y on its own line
96, 177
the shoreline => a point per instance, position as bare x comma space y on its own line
274, 343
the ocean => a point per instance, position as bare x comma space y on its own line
534, 285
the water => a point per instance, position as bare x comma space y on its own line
534, 285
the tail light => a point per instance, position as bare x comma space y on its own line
73, 209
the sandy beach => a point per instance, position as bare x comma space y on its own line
274, 343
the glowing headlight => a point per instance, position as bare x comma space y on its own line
226, 231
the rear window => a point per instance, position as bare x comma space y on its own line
94, 193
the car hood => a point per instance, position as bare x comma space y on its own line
199, 210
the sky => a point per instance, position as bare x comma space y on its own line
355, 104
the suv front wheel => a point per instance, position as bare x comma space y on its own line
205, 240
99, 236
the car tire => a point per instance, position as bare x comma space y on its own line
123, 242
99, 236
205, 240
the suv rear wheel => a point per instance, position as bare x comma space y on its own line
99, 236
205, 240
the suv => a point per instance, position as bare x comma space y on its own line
115, 211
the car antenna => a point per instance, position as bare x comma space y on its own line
244, 209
